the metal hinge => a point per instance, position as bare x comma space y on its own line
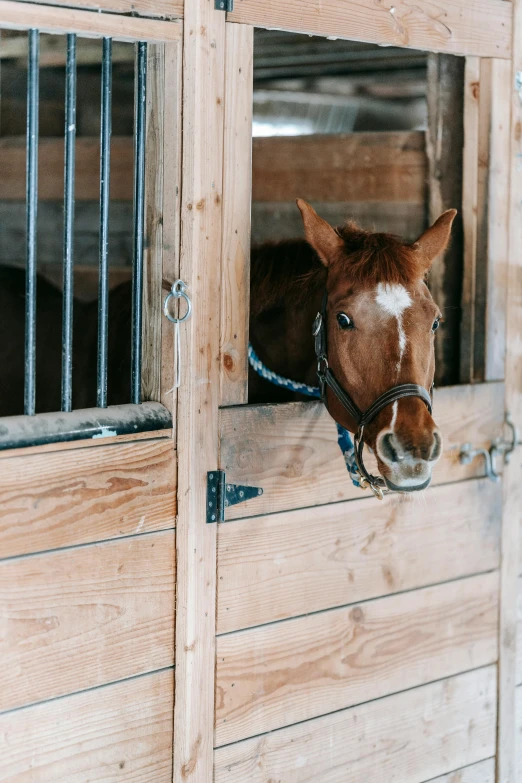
221, 495
500, 447
224, 5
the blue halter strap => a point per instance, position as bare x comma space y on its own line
343, 436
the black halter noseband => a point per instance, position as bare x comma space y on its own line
362, 418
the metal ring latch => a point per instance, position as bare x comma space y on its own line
178, 291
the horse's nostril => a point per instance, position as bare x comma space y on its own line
387, 448
436, 448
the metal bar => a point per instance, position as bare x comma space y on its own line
105, 173
68, 234
139, 218
32, 214
20, 432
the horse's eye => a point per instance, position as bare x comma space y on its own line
435, 325
344, 321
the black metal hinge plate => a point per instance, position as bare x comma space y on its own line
221, 495
224, 5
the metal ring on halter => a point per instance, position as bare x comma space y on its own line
178, 291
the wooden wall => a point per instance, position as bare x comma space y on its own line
87, 580
357, 639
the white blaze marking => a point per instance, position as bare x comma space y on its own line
395, 409
394, 299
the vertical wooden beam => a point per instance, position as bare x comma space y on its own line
499, 164
237, 197
512, 485
153, 244
481, 259
444, 145
469, 215
162, 197
198, 396
171, 212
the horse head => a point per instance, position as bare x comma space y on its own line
380, 321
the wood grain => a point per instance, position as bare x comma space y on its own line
483, 772
59, 498
469, 215
283, 565
498, 214
291, 450
172, 87
359, 167
444, 146
198, 395
519, 632
50, 167
154, 217
408, 737
482, 251
77, 619
24, 16
237, 194
512, 515
279, 674
452, 26
120, 732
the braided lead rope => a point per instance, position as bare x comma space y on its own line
343, 436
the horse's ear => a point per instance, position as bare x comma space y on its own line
435, 238
319, 234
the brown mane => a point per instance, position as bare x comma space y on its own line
288, 270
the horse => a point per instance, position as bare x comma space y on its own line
380, 320
49, 345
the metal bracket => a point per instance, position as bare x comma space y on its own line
224, 5
500, 447
221, 495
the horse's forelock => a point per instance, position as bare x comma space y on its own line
376, 257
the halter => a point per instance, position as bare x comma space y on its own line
362, 418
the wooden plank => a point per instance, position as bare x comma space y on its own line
469, 215
171, 210
499, 165
274, 567
481, 261
407, 737
154, 217
452, 26
24, 16
291, 450
120, 732
81, 618
50, 167
273, 220
483, 772
519, 632
278, 674
506, 739
360, 167
198, 396
444, 145
518, 726
58, 498
166, 9
237, 191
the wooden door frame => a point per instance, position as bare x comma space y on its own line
215, 180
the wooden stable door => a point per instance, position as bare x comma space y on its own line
357, 639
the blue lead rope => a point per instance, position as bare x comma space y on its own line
343, 436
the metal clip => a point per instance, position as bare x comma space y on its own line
468, 454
